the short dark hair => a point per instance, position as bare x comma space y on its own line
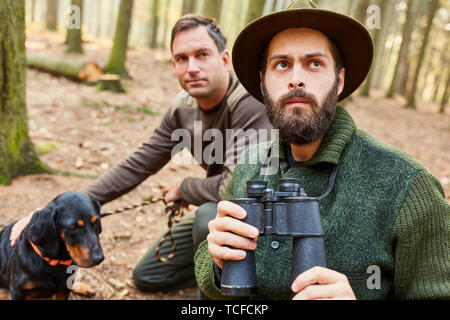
190, 21
335, 53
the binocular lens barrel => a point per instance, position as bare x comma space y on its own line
289, 185
239, 277
307, 252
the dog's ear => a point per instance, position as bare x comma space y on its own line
43, 231
97, 205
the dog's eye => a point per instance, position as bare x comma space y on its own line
74, 227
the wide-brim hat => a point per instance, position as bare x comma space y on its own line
351, 38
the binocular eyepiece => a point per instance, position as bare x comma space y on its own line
288, 212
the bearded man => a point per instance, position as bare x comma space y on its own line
385, 212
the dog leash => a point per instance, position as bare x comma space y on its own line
174, 211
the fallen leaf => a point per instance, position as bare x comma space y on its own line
83, 289
116, 283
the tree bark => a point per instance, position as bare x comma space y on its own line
99, 16
434, 6
33, 9
166, 22
73, 39
361, 11
378, 40
51, 16
117, 58
445, 96
17, 154
254, 10
188, 7
402, 60
212, 9
156, 22
391, 26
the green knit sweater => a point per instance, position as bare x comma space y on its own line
385, 211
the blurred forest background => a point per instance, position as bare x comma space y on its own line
411, 37
76, 101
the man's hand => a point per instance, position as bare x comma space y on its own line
226, 230
322, 283
173, 194
18, 227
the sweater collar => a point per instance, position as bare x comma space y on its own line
341, 130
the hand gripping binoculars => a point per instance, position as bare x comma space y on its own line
287, 212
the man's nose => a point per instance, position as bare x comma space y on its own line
193, 66
297, 78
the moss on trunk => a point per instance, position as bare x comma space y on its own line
117, 58
17, 154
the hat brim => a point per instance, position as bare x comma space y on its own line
351, 38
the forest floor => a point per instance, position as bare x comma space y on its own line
84, 131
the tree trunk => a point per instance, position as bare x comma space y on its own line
446, 94
402, 60
188, 7
73, 39
17, 154
434, 6
254, 10
361, 11
166, 23
156, 22
33, 9
443, 61
212, 9
378, 40
51, 16
391, 26
74, 70
351, 7
117, 58
99, 16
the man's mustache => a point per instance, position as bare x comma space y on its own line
297, 93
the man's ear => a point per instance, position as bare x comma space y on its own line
226, 58
43, 230
341, 81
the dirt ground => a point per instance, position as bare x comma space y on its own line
84, 131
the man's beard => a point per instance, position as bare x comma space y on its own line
302, 126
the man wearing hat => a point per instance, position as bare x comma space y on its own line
386, 222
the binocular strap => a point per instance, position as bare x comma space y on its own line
330, 184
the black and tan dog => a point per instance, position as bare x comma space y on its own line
64, 233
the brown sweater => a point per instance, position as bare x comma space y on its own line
237, 110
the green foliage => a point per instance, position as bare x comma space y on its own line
46, 147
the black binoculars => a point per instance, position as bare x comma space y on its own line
288, 212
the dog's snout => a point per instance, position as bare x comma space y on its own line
97, 256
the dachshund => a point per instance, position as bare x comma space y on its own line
63, 234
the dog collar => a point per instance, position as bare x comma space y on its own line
52, 262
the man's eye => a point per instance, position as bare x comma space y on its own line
315, 64
281, 66
180, 59
203, 54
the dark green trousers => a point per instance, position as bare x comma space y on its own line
153, 275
